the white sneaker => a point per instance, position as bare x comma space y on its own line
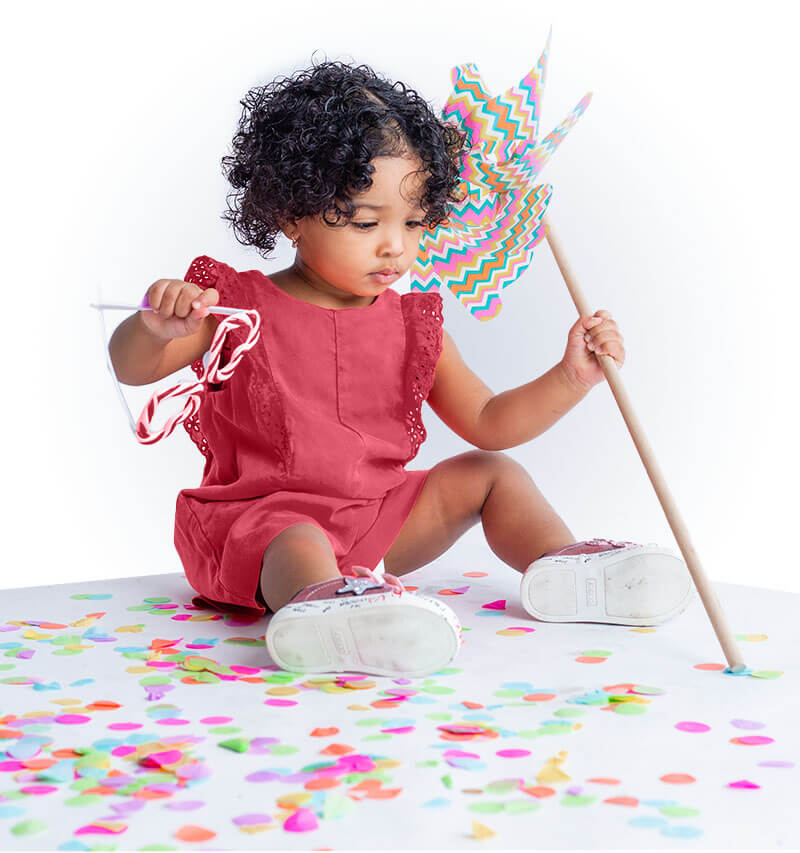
598, 580
363, 624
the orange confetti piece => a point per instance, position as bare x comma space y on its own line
539, 791
710, 666
338, 749
619, 688
476, 574
603, 780
622, 801
585, 659
321, 784
325, 732
678, 778
103, 705
51, 625
39, 763
473, 706
189, 832
539, 697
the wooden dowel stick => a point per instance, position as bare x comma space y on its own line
679, 529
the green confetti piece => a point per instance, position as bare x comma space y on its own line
66, 640
157, 599
508, 694
94, 759
154, 679
13, 795
279, 678
29, 827
529, 733
521, 806
67, 652
679, 811
85, 799
206, 677
767, 673
15, 679
503, 786
371, 721
449, 671
236, 744
569, 712
157, 847
83, 784
575, 800
427, 763
438, 716
486, 808
283, 749
437, 690
648, 691
337, 805
629, 708
377, 737
447, 781
140, 607
233, 641
224, 730
597, 653
4, 666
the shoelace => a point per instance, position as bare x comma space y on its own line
390, 580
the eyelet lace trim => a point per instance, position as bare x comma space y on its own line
206, 272
423, 312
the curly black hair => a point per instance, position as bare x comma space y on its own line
304, 144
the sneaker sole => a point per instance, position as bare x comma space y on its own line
380, 634
647, 585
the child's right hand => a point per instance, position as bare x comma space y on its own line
173, 314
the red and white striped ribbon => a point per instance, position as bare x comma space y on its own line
246, 318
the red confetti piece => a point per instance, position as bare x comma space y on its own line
678, 778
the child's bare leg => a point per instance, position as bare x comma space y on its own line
479, 485
519, 523
297, 557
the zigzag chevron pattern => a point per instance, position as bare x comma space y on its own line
488, 240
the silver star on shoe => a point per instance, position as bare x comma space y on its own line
358, 586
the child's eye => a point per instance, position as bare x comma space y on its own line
364, 225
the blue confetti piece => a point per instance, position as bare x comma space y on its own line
437, 803
646, 822
73, 845
81, 682
10, 645
12, 811
679, 831
659, 803
518, 685
421, 700
729, 671
479, 716
53, 685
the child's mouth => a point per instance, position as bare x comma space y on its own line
386, 278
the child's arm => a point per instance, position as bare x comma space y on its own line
499, 421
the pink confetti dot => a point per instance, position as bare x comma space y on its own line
281, 703
513, 753
172, 721
39, 789
71, 719
688, 726
303, 820
124, 727
752, 740
215, 721
743, 783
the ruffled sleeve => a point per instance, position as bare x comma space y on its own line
205, 272
422, 313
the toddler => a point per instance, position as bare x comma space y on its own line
305, 496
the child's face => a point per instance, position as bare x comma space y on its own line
340, 260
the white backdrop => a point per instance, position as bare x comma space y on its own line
675, 197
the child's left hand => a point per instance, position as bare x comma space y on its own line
590, 335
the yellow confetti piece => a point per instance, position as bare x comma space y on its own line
644, 630
65, 701
481, 832
115, 826
751, 638
35, 635
129, 629
359, 685
386, 763
282, 691
203, 617
628, 698
139, 670
294, 800
358, 708
552, 772
514, 632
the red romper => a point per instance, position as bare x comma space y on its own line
316, 425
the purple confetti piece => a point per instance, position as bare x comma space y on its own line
252, 819
186, 805
747, 724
